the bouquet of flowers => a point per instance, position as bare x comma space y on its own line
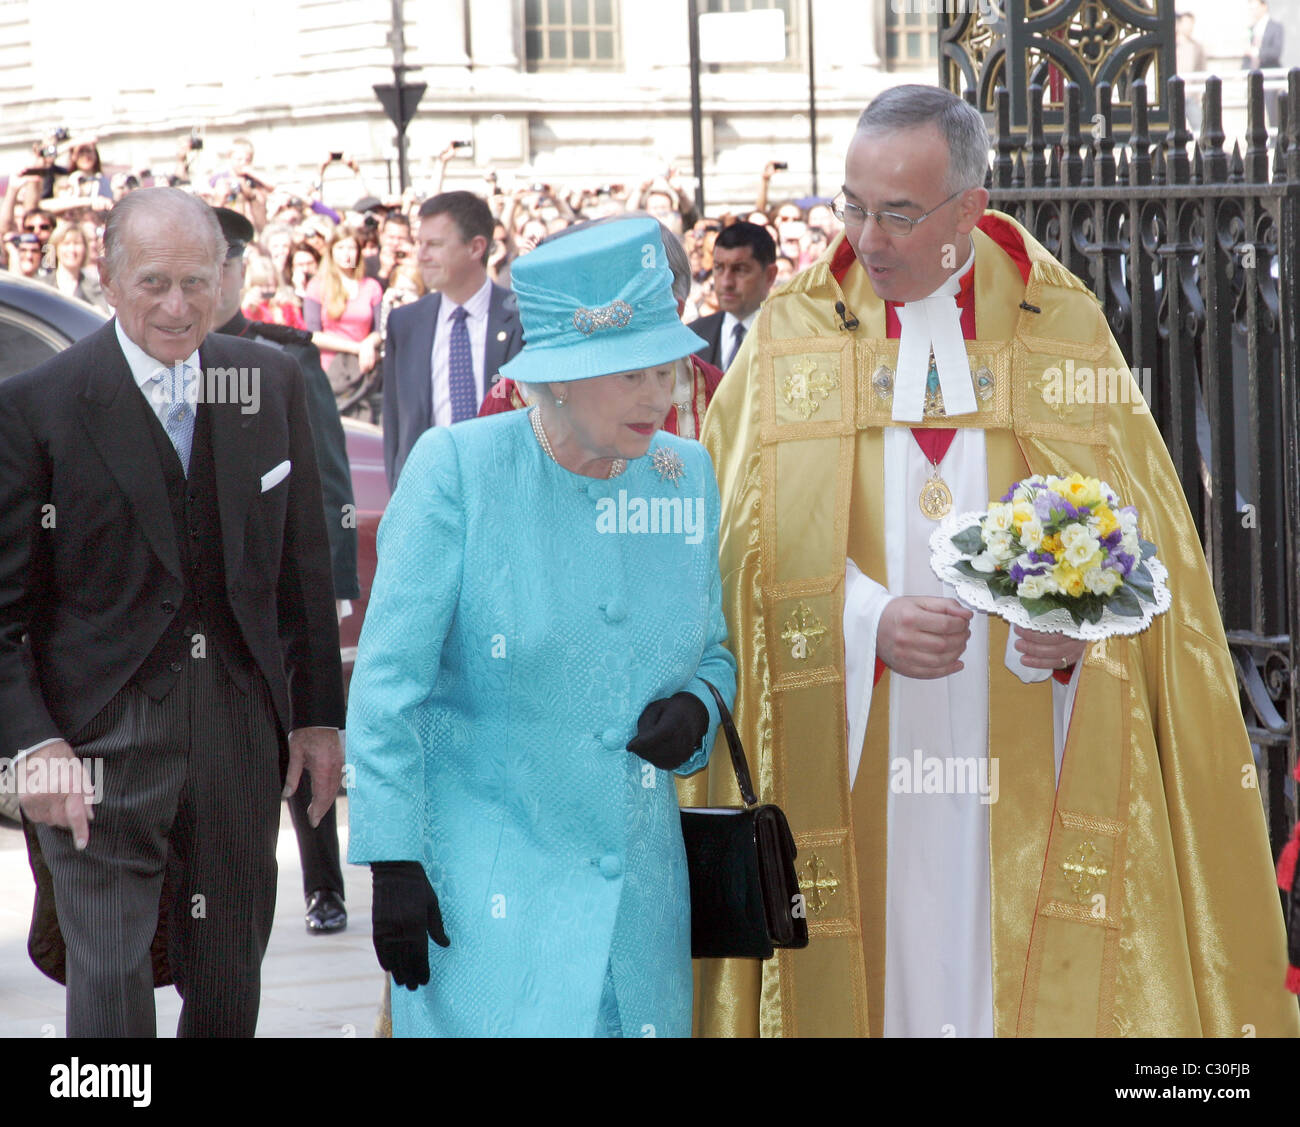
1059, 554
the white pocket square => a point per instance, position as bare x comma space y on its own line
272, 478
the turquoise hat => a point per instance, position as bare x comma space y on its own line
597, 301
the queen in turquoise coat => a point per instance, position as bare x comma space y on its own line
527, 622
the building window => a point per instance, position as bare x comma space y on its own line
791, 9
577, 33
911, 38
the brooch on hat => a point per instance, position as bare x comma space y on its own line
669, 466
615, 315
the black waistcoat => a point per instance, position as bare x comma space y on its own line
203, 626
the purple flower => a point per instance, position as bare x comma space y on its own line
1009, 494
1041, 557
1043, 506
1112, 539
1018, 572
1122, 560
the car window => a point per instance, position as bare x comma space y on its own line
25, 342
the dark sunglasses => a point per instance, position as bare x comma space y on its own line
38, 227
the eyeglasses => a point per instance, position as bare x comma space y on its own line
38, 227
891, 222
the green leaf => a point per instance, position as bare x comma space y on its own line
1092, 608
1148, 549
1000, 583
969, 540
964, 568
1037, 607
1124, 602
1141, 583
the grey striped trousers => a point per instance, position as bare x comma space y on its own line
190, 793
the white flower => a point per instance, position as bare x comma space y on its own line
1080, 545
1101, 580
1128, 521
1034, 587
998, 519
985, 563
999, 545
1073, 534
1031, 534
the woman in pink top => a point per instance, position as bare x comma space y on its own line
340, 309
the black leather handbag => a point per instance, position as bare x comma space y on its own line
745, 899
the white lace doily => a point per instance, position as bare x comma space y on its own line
975, 595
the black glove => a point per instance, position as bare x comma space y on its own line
669, 731
403, 912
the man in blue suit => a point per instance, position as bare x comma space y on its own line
444, 351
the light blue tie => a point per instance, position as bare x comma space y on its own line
178, 414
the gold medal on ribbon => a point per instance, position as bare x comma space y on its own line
936, 498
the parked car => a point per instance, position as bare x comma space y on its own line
37, 322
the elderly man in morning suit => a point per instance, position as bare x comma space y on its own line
165, 608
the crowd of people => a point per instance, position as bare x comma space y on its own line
339, 271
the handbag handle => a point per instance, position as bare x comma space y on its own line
738, 761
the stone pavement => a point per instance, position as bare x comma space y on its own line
312, 986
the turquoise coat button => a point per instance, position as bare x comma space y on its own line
611, 866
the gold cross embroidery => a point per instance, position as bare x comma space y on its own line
1082, 873
803, 630
804, 387
818, 887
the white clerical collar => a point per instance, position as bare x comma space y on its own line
933, 324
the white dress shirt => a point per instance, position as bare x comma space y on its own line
729, 347
476, 324
144, 369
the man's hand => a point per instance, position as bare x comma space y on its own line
320, 751
923, 636
55, 793
1048, 651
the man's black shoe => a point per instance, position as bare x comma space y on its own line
325, 912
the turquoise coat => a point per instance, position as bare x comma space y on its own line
522, 617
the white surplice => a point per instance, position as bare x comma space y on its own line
938, 957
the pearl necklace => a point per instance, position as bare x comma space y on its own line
535, 417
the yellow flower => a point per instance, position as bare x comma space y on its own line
1051, 544
1070, 579
1022, 511
1106, 520
1080, 490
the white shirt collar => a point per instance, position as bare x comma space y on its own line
476, 306
730, 321
933, 324
142, 365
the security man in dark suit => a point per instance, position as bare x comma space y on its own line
444, 351
166, 628
318, 846
744, 269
